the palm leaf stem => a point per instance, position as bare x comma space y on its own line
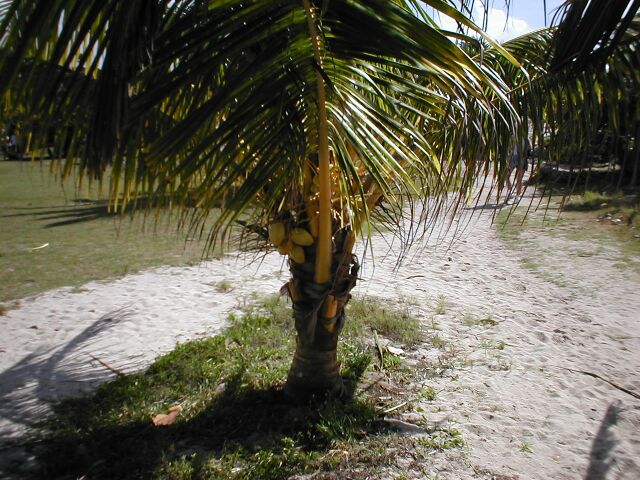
323, 258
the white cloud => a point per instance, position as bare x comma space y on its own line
498, 26
503, 29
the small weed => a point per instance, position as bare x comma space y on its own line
466, 362
488, 344
178, 469
555, 278
488, 321
3, 309
79, 289
500, 364
438, 342
429, 394
393, 362
525, 447
471, 321
224, 286
529, 263
441, 305
442, 439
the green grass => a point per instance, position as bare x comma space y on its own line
607, 223
83, 241
525, 447
394, 323
618, 215
471, 320
618, 204
236, 422
441, 305
224, 286
442, 439
438, 342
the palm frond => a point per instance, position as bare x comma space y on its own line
214, 108
590, 30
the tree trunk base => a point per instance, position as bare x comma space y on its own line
314, 374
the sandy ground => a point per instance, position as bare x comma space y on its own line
508, 337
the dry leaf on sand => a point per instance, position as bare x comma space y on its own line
169, 418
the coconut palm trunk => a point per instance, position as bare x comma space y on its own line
319, 314
323, 281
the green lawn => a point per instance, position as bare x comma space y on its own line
84, 241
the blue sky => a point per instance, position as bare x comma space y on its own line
531, 11
524, 16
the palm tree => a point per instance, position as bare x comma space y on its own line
577, 85
305, 122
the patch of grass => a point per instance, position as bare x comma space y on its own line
510, 223
441, 305
397, 324
603, 219
444, 439
429, 394
500, 364
224, 286
470, 320
54, 234
525, 447
177, 469
438, 342
594, 201
235, 422
604, 226
530, 263
393, 362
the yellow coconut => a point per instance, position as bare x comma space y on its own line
300, 236
277, 233
297, 253
285, 247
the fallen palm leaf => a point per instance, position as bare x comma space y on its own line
379, 349
599, 377
169, 418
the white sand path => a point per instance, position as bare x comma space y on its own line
521, 414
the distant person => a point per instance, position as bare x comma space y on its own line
11, 146
519, 162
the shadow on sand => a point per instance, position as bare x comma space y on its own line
600, 458
52, 373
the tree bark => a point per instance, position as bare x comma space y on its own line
318, 311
